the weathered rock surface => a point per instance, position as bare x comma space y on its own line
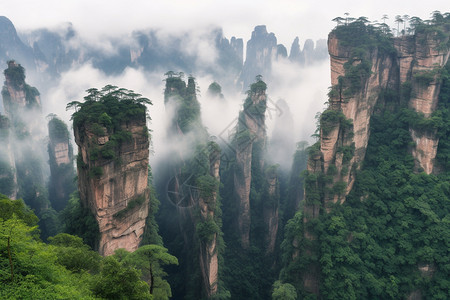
414, 56
62, 172
345, 134
418, 55
209, 262
123, 181
252, 123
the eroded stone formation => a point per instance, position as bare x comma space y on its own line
62, 172
406, 66
114, 186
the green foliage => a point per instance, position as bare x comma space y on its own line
29, 267
137, 202
215, 90
283, 291
9, 207
15, 73
73, 254
68, 269
110, 283
95, 172
151, 230
207, 187
207, 230
104, 113
150, 259
347, 151
393, 222
330, 118
57, 130
80, 221
185, 98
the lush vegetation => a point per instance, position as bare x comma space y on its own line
184, 99
389, 240
190, 218
66, 268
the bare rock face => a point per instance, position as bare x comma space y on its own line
116, 189
420, 58
357, 108
62, 171
358, 75
251, 133
416, 62
209, 262
270, 210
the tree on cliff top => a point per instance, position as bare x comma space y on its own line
119, 104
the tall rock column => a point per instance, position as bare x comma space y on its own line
22, 107
207, 202
113, 147
250, 137
62, 172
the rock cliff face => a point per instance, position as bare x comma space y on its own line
116, 189
251, 138
192, 190
209, 262
407, 67
62, 171
261, 50
343, 142
351, 133
420, 58
270, 210
22, 105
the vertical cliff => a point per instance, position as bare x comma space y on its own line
261, 50
22, 106
207, 202
421, 59
113, 145
8, 177
374, 77
359, 73
193, 230
62, 172
250, 142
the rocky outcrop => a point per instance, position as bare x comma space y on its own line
115, 189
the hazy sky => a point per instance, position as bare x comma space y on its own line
286, 18
304, 89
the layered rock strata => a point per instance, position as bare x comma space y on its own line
116, 190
